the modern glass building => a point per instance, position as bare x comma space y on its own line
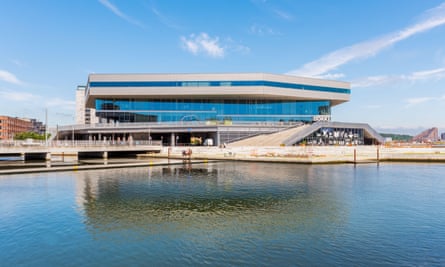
242, 97
225, 107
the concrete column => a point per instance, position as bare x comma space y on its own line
48, 156
218, 139
105, 155
172, 139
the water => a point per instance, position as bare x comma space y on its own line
219, 214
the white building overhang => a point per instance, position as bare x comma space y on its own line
198, 86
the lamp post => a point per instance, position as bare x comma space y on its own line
149, 137
46, 127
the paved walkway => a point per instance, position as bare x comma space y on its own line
310, 154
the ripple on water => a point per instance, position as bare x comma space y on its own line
226, 214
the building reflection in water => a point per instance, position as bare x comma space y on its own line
216, 197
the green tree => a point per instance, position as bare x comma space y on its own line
32, 135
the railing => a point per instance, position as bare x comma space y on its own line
15, 143
100, 143
170, 124
78, 143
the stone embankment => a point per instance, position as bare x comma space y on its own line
309, 154
300, 154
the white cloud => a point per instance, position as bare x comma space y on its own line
33, 99
16, 96
119, 13
376, 80
433, 18
417, 100
190, 45
58, 102
9, 77
436, 74
203, 43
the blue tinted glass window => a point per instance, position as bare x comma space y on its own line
170, 110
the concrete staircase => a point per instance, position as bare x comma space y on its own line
273, 139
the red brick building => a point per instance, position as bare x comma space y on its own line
10, 126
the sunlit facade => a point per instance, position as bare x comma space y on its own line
248, 97
10, 126
179, 109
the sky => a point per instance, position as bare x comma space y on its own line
391, 51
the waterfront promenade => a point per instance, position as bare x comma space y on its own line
78, 149
168, 155
311, 154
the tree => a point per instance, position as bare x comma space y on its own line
32, 135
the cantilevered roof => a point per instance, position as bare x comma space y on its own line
214, 86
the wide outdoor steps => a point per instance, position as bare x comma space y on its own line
273, 139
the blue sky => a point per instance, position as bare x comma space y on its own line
392, 51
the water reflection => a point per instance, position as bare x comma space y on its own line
219, 198
236, 214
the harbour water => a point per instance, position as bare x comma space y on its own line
226, 213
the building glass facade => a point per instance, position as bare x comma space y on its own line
236, 110
336, 136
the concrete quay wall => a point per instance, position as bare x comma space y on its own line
310, 154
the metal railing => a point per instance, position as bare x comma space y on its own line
77, 143
170, 124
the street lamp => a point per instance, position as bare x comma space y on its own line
46, 127
149, 137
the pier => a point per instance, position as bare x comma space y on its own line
78, 149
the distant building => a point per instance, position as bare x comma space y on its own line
38, 126
84, 115
442, 136
80, 105
427, 136
10, 126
